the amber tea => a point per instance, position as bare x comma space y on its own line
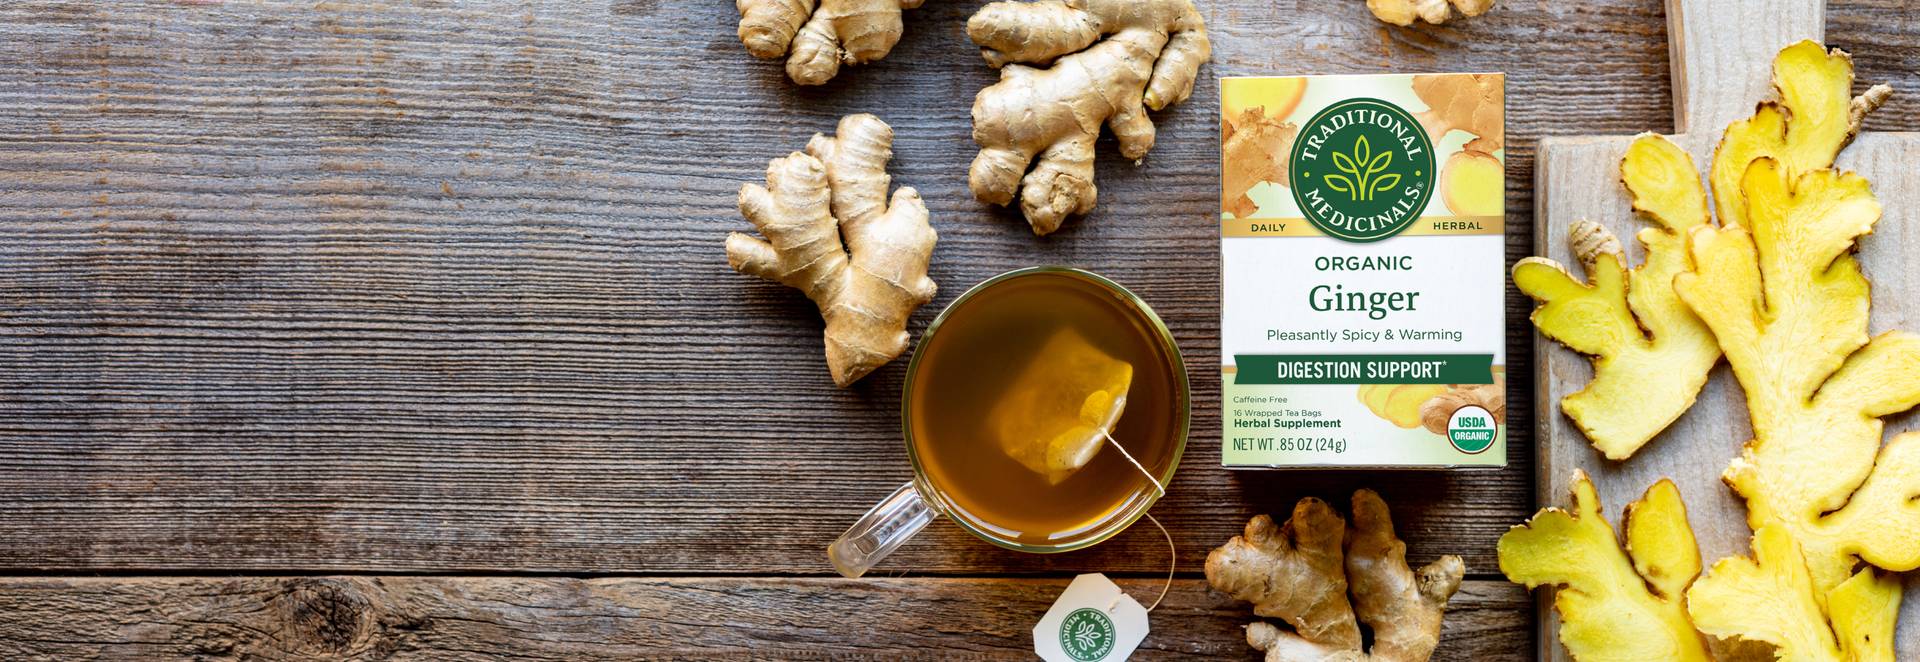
1017, 398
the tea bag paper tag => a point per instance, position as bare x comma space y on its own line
1093, 621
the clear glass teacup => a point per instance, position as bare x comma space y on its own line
988, 343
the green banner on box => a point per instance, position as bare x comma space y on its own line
1363, 368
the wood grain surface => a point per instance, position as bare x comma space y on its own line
439, 618
437, 287
1724, 54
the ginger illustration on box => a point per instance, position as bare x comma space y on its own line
1362, 260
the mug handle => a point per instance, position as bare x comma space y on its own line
881, 531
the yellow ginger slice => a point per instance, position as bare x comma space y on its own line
1789, 304
1803, 130
1056, 413
1614, 603
1474, 184
1399, 404
1780, 606
1782, 292
1863, 610
1650, 353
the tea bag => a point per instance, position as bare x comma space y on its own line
1053, 417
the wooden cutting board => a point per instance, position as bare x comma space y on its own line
1722, 54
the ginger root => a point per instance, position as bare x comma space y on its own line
1472, 181
1403, 12
1255, 146
1650, 353
817, 36
1438, 410
1399, 404
1471, 103
831, 233
1111, 60
1303, 573
1614, 603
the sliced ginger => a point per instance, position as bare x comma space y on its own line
1255, 146
831, 233
1779, 605
1303, 573
1473, 180
1650, 353
817, 36
1404, 12
1864, 610
1474, 184
1804, 129
1110, 61
1276, 97
1615, 603
1056, 413
1778, 289
1815, 384
1787, 301
1399, 404
1816, 470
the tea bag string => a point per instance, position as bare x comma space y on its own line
1136, 464
1173, 553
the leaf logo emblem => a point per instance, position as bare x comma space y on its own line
1087, 635
1360, 182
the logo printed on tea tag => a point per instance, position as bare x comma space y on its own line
1086, 634
1092, 621
1361, 170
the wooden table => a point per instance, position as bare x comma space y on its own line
403, 329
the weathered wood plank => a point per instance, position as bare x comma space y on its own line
426, 287
474, 618
437, 286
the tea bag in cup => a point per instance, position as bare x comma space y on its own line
1054, 415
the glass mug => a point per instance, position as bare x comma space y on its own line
1155, 418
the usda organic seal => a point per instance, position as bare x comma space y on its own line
1471, 429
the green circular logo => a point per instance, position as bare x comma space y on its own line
1471, 429
1361, 170
1086, 634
